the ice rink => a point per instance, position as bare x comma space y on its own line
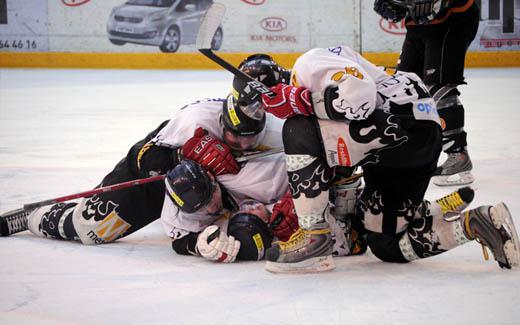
61, 131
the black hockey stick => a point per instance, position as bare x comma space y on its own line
210, 23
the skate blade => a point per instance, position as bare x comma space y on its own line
502, 218
462, 178
311, 265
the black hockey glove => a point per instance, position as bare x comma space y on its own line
424, 11
389, 10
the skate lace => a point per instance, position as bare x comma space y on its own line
451, 203
295, 238
17, 222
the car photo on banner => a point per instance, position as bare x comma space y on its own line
167, 24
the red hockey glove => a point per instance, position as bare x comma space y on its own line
288, 101
284, 221
211, 153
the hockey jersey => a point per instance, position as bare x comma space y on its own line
344, 85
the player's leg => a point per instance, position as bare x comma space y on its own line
441, 225
108, 216
443, 72
310, 248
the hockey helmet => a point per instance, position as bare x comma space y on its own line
189, 186
243, 119
263, 68
252, 232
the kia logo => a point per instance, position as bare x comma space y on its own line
254, 2
273, 24
392, 28
74, 3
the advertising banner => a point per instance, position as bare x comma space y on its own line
23, 26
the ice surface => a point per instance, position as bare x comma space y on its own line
62, 130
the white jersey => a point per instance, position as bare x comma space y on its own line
206, 114
262, 179
362, 86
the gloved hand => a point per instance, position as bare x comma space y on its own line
211, 153
284, 221
215, 245
390, 11
288, 101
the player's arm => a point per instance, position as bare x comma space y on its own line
348, 93
186, 245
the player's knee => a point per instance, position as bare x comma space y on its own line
301, 136
385, 247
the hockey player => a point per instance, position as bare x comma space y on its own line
204, 218
342, 110
203, 131
438, 35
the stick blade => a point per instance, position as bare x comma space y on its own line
211, 21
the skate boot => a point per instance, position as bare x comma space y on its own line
307, 250
493, 228
456, 170
13, 222
453, 204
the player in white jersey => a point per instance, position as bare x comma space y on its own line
204, 218
344, 111
203, 131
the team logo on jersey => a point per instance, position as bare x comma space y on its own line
343, 154
349, 71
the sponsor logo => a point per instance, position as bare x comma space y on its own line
274, 38
111, 228
392, 28
232, 113
273, 24
254, 2
74, 3
177, 199
343, 154
258, 241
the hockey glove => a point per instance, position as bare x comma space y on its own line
215, 245
284, 221
390, 11
288, 101
211, 153
423, 11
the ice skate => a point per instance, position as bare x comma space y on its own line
453, 204
308, 250
456, 170
493, 227
13, 222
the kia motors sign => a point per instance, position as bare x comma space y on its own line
273, 24
392, 28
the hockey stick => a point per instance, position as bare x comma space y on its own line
211, 21
119, 186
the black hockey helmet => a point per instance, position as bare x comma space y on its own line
189, 186
252, 232
263, 68
243, 119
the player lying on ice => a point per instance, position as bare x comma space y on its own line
342, 110
112, 215
204, 218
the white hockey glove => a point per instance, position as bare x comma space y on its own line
215, 245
